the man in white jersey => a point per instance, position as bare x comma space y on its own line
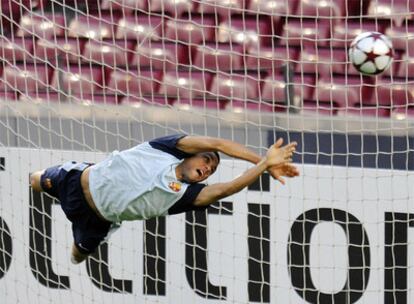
152, 179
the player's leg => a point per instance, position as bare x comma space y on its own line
35, 180
77, 256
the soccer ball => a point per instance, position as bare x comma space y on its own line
371, 53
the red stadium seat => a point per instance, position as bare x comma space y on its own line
126, 6
223, 9
239, 106
25, 77
9, 95
135, 81
402, 37
46, 25
274, 88
364, 111
14, 49
406, 68
316, 8
76, 79
172, 7
249, 31
112, 53
185, 84
319, 108
270, 57
203, 103
218, 57
160, 55
43, 97
305, 32
59, 51
11, 12
138, 101
396, 10
344, 91
193, 29
392, 92
90, 99
237, 86
344, 33
273, 7
94, 26
322, 61
140, 27
402, 113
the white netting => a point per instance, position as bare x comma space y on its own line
82, 78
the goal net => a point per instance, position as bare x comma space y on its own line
80, 79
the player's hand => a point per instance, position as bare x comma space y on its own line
285, 170
278, 155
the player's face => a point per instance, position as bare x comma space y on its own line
199, 167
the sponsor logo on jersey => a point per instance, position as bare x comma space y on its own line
48, 183
174, 186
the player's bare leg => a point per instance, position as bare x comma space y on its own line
35, 180
77, 257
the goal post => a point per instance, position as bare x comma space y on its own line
80, 79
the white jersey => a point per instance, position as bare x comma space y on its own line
140, 183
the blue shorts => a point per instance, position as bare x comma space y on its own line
63, 183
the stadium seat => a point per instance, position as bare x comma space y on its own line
322, 61
59, 51
319, 108
126, 6
344, 91
192, 29
239, 86
160, 55
140, 27
93, 26
172, 7
305, 32
364, 111
392, 92
14, 49
344, 32
43, 97
79, 79
201, 103
25, 77
11, 12
249, 31
274, 88
46, 25
270, 57
396, 10
222, 9
185, 84
317, 8
239, 106
90, 99
113, 53
273, 7
406, 68
402, 113
9, 95
138, 101
218, 57
402, 37
135, 81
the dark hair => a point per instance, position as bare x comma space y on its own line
218, 156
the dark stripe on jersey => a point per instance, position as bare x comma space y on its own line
168, 144
2, 164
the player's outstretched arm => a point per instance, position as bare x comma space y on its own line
275, 156
198, 144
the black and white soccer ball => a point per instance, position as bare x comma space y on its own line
371, 53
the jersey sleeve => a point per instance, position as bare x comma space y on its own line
186, 202
168, 144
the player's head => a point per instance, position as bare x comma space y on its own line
199, 167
